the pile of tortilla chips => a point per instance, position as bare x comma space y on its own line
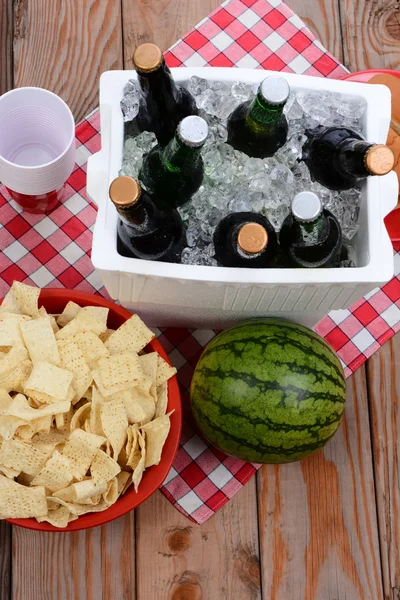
82, 408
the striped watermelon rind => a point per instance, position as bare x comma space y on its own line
268, 390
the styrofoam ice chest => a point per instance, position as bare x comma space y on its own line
200, 296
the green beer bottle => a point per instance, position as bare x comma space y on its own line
310, 236
174, 173
258, 127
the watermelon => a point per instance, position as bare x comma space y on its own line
268, 391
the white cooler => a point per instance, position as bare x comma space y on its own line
198, 296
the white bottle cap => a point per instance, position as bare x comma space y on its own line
306, 207
193, 131
274, 90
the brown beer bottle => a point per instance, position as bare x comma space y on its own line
163, 103
339, 158
245, 239
143, 231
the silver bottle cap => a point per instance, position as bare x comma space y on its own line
193, 131
306, 207
274, 90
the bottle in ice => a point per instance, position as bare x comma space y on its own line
258, 127
163, 103
310, 235
245, 239
143, 230
174, 173
339, 158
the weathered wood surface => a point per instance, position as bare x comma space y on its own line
182, 561
64, 46
87, 565
384, 399
160, 21
318, 529
6, 40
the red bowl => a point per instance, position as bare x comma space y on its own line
54, 301
365, 76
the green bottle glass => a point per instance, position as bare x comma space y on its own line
174, 173
258, 127
310, 236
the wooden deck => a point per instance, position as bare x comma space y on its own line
324, 529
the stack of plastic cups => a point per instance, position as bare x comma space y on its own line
37, 147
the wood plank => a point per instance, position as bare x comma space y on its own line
160, 21
322, 18
6, 53
383, 371
371, 34
86, 565
5, 561
317, 518
178, 560
65, 46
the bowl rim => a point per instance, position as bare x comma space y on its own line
157, 474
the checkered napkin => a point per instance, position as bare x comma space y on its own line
54, 250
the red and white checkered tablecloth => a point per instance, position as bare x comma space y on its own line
54, 251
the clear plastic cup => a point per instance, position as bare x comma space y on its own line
37, 147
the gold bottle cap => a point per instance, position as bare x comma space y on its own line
252, 238
379, 160
124, 191
147, 58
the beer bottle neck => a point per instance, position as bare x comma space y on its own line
158, 87
311, 232
138, 213
178, 157
351, 157
262, 115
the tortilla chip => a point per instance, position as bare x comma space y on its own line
138, 472
49, 442
110, 496
56, 473
103, 468
15, 381
100, 312
10, 332
58, 517
95, 413
82, 490
135, 453
73, 360
114, 422
19, 407
21, 456
43, 313
42, 424
20, 502
26, 297
10, 304
132, 336
69, 313
104, 336
84, 321
80, 416
124, 481
117, 373
63, 421
10, 473
164, 371
9, 425
40, 341
10, 362
81, 449
149, 365
156, 433
139, 405
48, 383
162, 400
80, 509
